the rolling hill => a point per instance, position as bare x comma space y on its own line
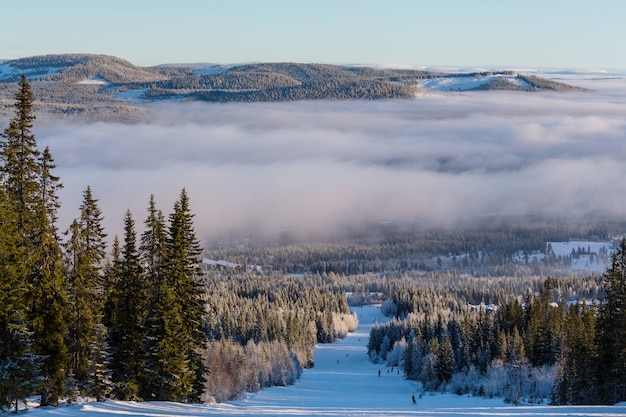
100, 86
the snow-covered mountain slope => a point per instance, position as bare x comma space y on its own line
472, 82
92, 84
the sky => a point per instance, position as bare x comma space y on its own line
480, 33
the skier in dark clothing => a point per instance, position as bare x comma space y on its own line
413, 398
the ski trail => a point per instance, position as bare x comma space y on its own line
343, 383
343, 377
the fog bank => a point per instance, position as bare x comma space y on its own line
310, 167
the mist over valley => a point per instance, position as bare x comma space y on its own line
312, 167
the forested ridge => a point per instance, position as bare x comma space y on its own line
101, 87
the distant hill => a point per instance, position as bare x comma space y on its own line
100, 86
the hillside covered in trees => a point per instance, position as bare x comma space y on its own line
101, 87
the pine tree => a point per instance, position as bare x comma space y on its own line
445, 361
575, 383
153, 256
99, 383
48, 189
127, 331
30, 184
20, 162
18, 367
611, 331
49, 308
47, 316
182, 309
111, 275
85, 252
171, 374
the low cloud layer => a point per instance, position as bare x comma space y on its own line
311, 167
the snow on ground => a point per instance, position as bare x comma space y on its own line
8, 71
463, 83
342, 383
587, 261
134, 96
94, 81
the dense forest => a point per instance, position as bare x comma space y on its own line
527, 341
492, 246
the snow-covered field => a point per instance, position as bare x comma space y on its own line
462, 83
342, 383
588, 260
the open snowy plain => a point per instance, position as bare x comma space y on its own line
342, 383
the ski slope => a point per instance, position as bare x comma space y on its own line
342, 383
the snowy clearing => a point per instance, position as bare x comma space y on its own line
342, 383
94, 81
462, 83
9, 72
584, 255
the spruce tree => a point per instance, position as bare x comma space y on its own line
18, 367
111, 275
49, 308
127, 331
153, 256
176, 324
20, 162
576, 381
445, 361
183, 275
611, 328
48, 189
47, 316
31, 186
85, 251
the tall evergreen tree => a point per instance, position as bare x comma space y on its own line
445, 361
49, 188
18, 369
127, 330
48, 312
176, 329
153, 256
611, 331
183, 276
111, 275
20, 161
576, 381
85, 251
31, 186
47, 316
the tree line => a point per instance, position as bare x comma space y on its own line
262, 328
496, 247
74, 324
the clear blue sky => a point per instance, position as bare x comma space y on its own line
500, 33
